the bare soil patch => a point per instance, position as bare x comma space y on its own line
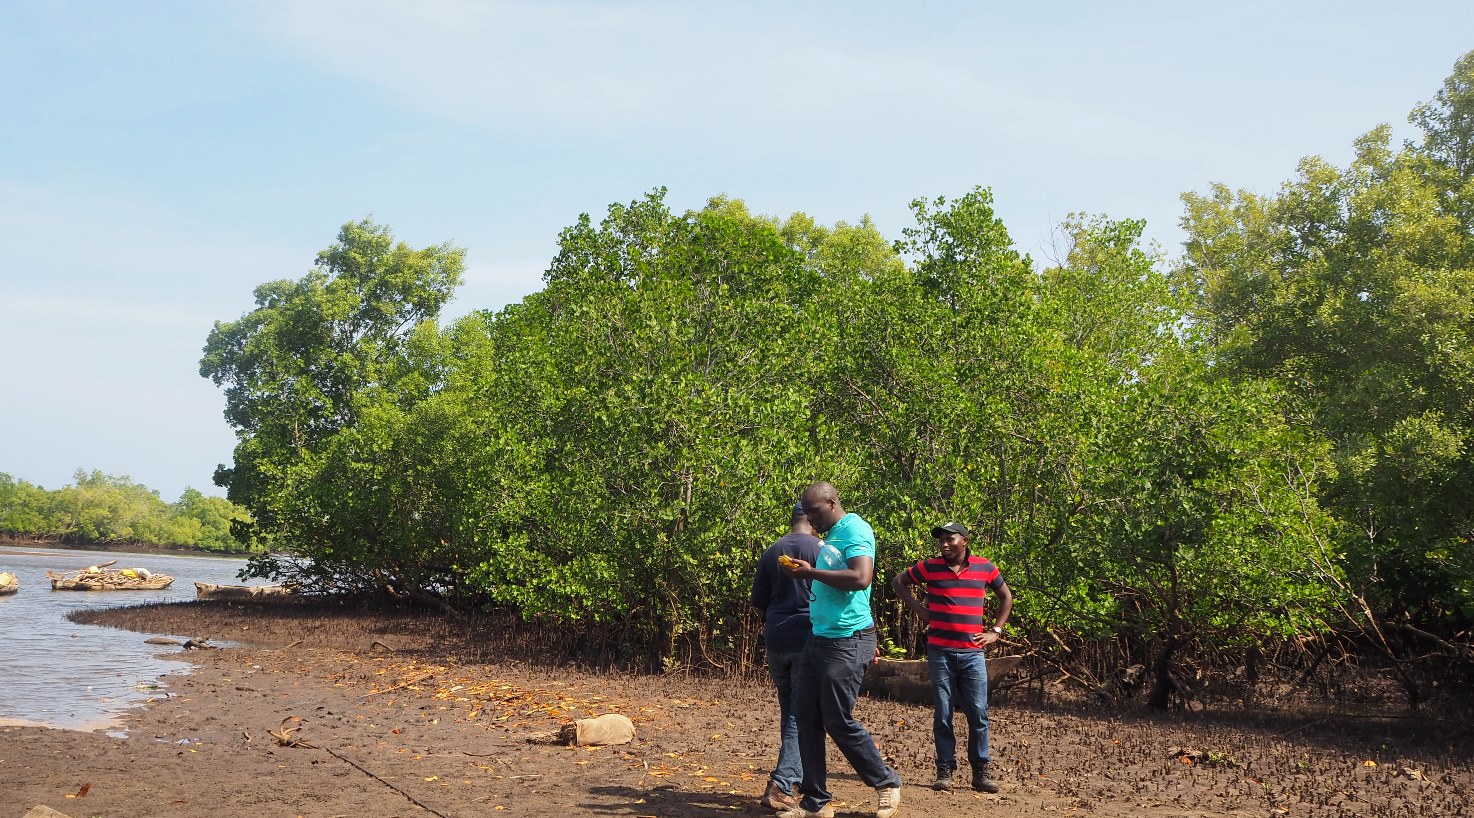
332, 711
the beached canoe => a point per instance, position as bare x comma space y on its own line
209, 590
8, 583
127, 579
908, 680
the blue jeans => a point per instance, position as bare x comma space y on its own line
783, 667
828, 686
959, 679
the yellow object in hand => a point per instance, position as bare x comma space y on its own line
786, 561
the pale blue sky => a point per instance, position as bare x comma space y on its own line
158, 160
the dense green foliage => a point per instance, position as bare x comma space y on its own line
102, 509
1267, 441
1354, 288
619, 447
309, 377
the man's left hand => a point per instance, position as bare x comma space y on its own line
986, 638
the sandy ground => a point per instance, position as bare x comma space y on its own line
336, 713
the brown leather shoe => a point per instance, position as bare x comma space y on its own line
776, 799
826, 811
982, 779
944, 779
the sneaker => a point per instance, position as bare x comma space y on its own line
887, 801
944, 780
826, 811
982, 781
776, 799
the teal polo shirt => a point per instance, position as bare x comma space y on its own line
835, 613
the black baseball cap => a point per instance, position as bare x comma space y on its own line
949, 528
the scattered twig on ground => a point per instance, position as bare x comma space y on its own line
406, 683
417, 802
502, 751
1297, 729
283, 736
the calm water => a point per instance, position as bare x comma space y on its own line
81, 677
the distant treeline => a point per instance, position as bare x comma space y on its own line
1268, 441
100, 509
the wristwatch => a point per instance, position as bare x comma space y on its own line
997, 630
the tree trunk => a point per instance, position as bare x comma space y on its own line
1160, 696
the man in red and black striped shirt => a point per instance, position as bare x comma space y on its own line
956, 585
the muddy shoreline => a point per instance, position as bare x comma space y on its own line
338, 712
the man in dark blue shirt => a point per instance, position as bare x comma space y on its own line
784, 602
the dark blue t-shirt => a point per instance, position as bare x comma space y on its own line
783, 600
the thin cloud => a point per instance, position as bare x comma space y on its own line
573, 67
148, 315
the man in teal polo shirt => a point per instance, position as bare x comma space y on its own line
840, 649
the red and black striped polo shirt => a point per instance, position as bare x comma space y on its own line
954, 601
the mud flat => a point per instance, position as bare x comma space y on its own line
335, 713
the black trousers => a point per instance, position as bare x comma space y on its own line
824, 699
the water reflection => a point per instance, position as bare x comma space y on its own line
82, 677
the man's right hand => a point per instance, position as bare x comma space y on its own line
794, 566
